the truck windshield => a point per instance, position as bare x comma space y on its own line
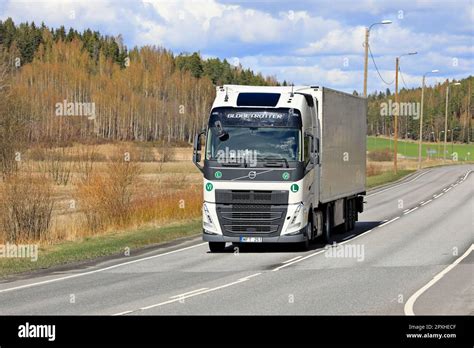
258, 143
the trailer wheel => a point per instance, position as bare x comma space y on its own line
347, 216
327, 224
216, 247
351, 214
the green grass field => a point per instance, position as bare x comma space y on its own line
386, 178
410, 148
99, 246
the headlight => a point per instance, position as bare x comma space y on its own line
206, 214
295, 216
207, 222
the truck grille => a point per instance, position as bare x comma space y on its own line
251, 219
251, 197
245, 229
257, 215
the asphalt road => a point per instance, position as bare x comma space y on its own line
399, 260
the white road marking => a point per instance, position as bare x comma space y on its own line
293, 259
188, 293
301, 259
344, 242
98, 270
323, 250
408, 309
352, 235
181, 297
406, 210
389, 221
438, 195
250, 276
411, 210
403, 183
448, 189
359, 235
385, 222
195, 294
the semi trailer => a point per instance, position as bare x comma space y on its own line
281, 164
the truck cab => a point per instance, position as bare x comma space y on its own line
261, 166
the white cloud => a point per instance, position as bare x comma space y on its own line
63, 12
319, 45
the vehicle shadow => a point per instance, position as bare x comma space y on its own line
361, 227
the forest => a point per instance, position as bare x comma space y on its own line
151, 94
460, 112
142, 94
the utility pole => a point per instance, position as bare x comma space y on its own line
469, 113
366, 46
421, 122
395, 139
446, 123
366, 59
420, 140
452, 140
446, 119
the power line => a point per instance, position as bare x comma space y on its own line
376, 68
403, 80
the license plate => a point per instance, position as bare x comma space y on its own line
251, 239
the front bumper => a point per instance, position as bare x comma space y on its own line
293, 238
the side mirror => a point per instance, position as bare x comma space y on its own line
197, 150
221, 133
311, 146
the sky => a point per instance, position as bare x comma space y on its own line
306, 42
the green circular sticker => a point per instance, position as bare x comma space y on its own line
294, 188
209, 186
285, 176
218, 174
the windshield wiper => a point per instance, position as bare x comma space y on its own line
273, 162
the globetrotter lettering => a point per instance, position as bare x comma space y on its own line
258, 115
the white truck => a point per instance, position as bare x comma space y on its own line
281, 164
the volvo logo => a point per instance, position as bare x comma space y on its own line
252, 174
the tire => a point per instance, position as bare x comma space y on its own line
309, 230
351, 214
327, 224
216, 247
348, 216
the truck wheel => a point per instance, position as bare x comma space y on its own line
309, 233
327, 224
351, 214
216, 247
348, 216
